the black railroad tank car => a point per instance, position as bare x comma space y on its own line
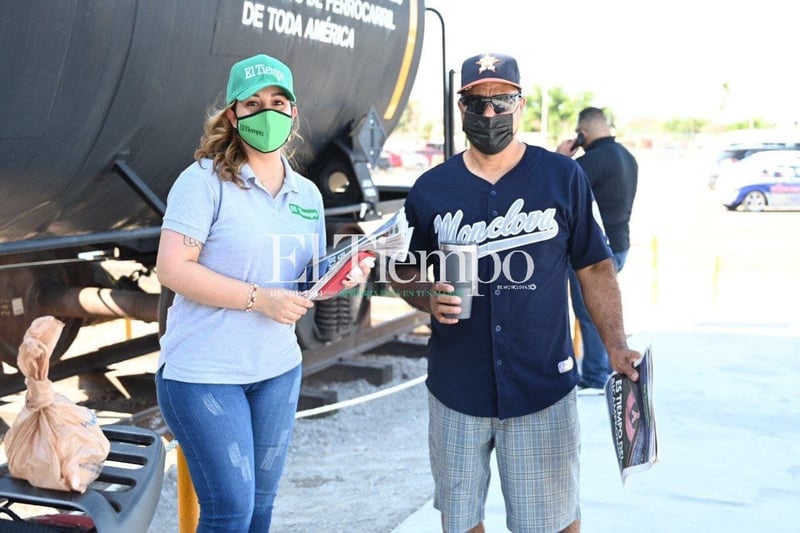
102, 104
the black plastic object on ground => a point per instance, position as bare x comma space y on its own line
123, 498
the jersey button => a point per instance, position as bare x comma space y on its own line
493, 192
497, 292
494, 213
499, 362
498, 328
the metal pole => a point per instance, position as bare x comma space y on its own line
545, 114
450, 128
446, 107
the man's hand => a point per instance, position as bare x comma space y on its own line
565, 148
622, 361
444, 303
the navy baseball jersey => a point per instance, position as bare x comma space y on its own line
514, 355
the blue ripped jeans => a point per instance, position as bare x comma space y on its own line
595, 367
235, 440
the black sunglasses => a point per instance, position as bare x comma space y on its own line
501, 103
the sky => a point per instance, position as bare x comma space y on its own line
642, 59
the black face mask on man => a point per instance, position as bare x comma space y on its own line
489, 135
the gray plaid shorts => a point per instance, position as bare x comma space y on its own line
537, 458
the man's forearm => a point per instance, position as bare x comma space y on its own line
601, 295
603, 301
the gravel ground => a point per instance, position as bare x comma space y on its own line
363, 468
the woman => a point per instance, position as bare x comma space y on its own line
240, 227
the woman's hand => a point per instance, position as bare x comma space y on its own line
359, 275
281, 305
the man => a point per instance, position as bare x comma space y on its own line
613, 174
504, 379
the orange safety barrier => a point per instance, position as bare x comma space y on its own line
188, 507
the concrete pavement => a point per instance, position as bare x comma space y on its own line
727, 400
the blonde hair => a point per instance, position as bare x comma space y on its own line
221, 143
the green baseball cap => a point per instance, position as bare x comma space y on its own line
250, 75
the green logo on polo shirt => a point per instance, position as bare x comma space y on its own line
310, 214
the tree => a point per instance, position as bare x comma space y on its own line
410, 119
685, 126
562, 111
751, 123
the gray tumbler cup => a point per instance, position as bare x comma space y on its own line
461, 271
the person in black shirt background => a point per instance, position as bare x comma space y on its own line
613, 175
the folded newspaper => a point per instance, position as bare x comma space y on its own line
632, 416
390, 240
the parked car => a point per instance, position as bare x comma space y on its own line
734, 152
433, 153
389, 159
409, 160
764, 180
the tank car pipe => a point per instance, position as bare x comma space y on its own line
94, 302
71, 241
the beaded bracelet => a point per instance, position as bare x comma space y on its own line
251, 298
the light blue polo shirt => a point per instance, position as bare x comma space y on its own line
247, 235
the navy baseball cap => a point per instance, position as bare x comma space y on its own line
484, 68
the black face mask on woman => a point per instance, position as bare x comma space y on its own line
489, 135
